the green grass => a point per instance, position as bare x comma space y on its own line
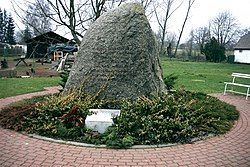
203, 76
16, 86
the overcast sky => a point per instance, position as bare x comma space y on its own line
205, 10
201, 13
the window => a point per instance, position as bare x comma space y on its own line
240, 50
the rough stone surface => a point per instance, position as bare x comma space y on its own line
119, 51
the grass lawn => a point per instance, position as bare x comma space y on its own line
16, 86
203, 76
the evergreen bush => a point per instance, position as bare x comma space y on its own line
172, 118
214, 51
4, 63
230, 59
176, 117
170, 81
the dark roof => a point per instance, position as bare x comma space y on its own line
51, 36
244, 42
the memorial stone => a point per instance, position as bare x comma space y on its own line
119, 51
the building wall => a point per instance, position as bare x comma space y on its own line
242, 56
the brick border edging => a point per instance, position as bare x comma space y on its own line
97, 146
74, 143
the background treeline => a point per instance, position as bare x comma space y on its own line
7, 28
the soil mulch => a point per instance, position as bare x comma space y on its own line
13, 117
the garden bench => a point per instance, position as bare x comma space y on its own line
233, 83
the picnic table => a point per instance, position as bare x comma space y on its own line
21, 59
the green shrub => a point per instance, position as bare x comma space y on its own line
230, 59
64, 77
4, 63
214, 51
114, 140
60, 114
170, 81
176, 117
171, 118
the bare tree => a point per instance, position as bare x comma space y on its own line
167, 9
75, 15
23, 35
201, 35
190, 44
171, 38
36, 19
97, 7
244, 31
100, 6
69, 14
190, 4
225, 28
145, 3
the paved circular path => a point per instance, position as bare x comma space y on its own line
231, 149
47, 90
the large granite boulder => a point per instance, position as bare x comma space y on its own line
119, 55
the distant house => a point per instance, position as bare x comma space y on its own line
12, 50
242, 50
37, 47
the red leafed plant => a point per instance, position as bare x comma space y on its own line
74, 117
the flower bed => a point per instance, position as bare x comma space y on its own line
175, 117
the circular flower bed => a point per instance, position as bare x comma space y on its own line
175, 117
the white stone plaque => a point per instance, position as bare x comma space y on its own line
101, 119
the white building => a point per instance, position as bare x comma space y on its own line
242, 50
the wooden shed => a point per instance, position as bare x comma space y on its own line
37, 46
